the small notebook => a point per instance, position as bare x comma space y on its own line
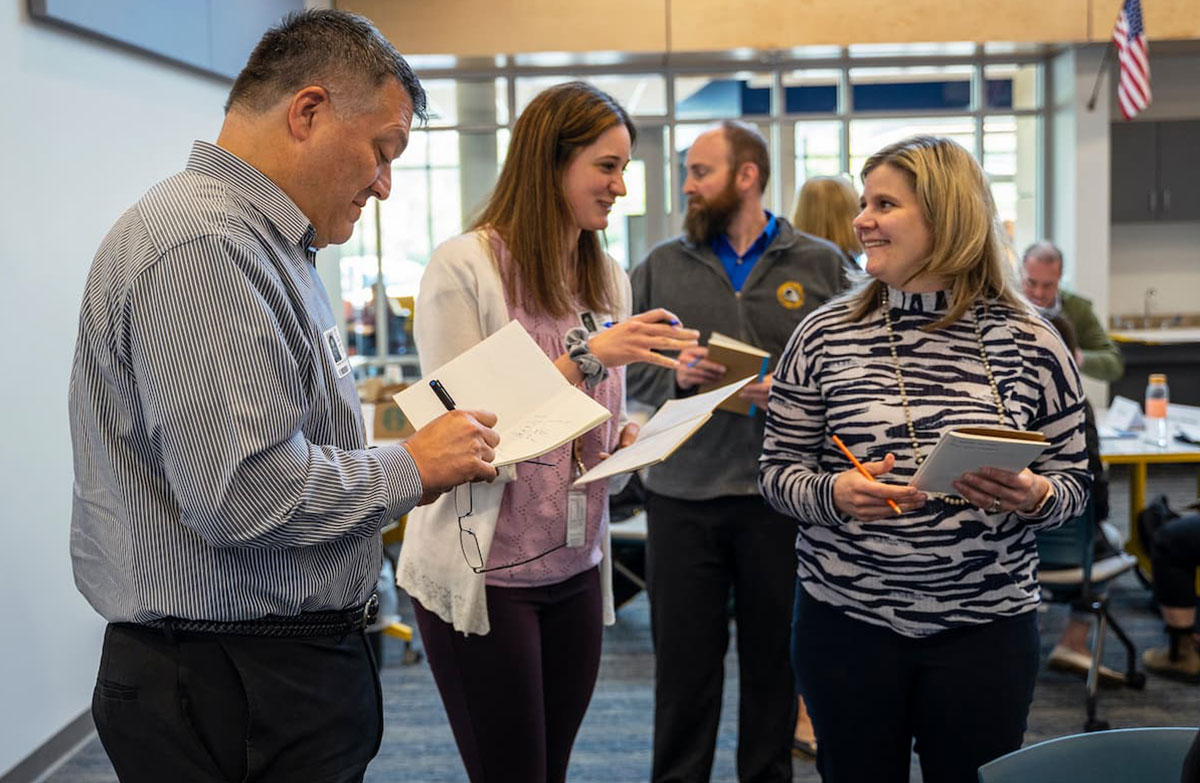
740, 359
967, 449
667, 430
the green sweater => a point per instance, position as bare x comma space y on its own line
1101, 356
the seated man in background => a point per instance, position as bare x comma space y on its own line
1096, 354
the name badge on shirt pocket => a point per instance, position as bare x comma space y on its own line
337, 350
577, 517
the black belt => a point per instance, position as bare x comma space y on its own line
329, 623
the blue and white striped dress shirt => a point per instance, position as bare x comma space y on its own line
220, 465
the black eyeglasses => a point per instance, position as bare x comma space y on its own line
471, 552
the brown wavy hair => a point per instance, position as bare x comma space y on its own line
529, 210
826, 207
956, 202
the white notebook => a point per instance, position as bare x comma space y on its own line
537, 409
967, 449
667, 430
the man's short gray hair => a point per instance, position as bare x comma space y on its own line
1044, 250
340, 51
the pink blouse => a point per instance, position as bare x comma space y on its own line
533, 511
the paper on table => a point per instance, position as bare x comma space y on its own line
537, 409
666, 431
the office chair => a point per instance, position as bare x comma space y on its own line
1068, 574
1118, 756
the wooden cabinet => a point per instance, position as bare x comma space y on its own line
1155, 171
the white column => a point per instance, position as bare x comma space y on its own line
1079, 190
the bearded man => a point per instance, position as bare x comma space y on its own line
746, 273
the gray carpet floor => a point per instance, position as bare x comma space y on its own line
614, 743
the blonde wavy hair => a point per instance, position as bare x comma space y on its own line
957, 205
826, 207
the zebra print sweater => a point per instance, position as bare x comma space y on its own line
941, 566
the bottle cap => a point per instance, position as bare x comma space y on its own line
1158, 377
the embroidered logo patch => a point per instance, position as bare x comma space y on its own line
790, 295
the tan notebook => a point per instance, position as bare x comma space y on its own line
967, 449
740, 359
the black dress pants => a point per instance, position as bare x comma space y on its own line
202, 708
962, 694
697, 554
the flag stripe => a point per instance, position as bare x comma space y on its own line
1129, 36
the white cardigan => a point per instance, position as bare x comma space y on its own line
460, 303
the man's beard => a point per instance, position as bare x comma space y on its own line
707, 219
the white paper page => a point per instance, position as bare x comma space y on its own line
508, 375
674, 412
954, 456
552, 424
645, 451
674, 423
1124, 414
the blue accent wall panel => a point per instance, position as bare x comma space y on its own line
215, 36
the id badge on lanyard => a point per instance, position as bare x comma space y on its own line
576, 504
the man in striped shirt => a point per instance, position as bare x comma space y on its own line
226, 511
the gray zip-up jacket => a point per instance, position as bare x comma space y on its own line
796, 274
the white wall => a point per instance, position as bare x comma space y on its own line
1163, 256
86, 129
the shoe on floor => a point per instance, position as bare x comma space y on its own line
1185, 667
1064, 659
804, 748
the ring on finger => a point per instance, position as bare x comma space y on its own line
995, 505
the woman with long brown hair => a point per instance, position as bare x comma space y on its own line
511, 581
920, 623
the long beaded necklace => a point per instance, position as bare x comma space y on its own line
987, 368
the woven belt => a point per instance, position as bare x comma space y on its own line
331, 623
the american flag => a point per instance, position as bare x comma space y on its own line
1133, 92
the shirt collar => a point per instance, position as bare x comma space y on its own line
931, 302
770, 230
257, 188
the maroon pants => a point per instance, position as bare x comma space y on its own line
516, 697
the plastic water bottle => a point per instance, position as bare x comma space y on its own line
1157, 396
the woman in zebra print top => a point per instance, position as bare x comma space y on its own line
920, 625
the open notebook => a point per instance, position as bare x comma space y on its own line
537, 409
967, 449
674, 423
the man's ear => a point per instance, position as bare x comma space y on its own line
747, 177
305, 108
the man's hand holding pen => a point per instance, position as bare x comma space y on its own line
454, 448
694, 369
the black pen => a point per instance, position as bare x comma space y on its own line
442, 394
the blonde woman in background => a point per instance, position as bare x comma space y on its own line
826, 208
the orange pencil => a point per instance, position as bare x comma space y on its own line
838, 442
